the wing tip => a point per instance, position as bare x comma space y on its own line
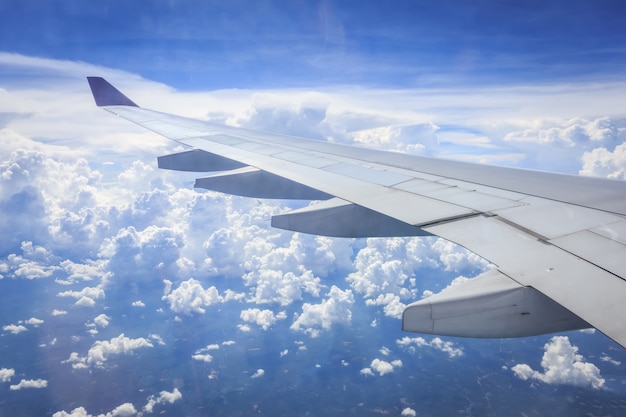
106, 95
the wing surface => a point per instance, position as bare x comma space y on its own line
557, 242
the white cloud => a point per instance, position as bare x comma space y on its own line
56, 312
334, 309
386, 268
263, 318
164, 397
33, 321
102, 350
562, 364
366, 372
607, 358
204, 357
14, 328
382, 367
85, 297
138, 303
259, 373
124, 410
190, 297
601, 162
408, 412
29, 383
6, 374
102, 320
411, 344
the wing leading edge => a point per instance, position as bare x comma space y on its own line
557, 241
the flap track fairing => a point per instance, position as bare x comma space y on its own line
340, 218
197, 160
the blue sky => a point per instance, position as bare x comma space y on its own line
198, 44
120, 277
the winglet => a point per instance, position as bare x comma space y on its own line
107, 95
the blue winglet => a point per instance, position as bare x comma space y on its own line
107, 95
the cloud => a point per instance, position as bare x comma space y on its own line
190, 297
14, 328
562, 364
259, 373
386, 268
34, 263
29, 383
164, 397
6, 374
334, 309
85, 297
408, 412
204, 357
410, 344
600, 162
124, 410
382, 367
102, 320
607, 358
33, 321
102, 350
263, 318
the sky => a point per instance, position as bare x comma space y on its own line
126, 292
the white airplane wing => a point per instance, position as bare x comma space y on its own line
558, 242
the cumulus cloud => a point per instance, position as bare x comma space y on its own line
102, 350
334, 309
85, 297
420, 139
259, 373
382, 367
6, 374
190, 297
33, 321
601, 162
102, 320
162, 398
263, 318
386, 268
14, 328
562, 364
408, 412
29, 383
35, 262
411, 344
124, 410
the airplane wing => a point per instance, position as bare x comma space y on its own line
557, 242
